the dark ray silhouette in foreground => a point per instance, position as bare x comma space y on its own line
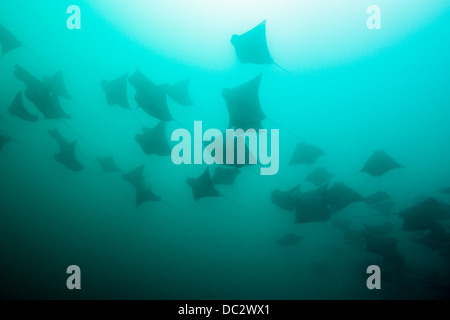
202, 186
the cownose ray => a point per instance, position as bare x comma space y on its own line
380, 229
312, 206
225, 176
116, 91
251, 47
8, 41
285, 199
436, 238
108, 164
386, 247
306, 153
289, 239
154, 141
179, 92
424, 215
57, 85
351, 235
151, 98
379, 164
17, 109
243, 104
143, 192
66, 155
339, 196
319, 176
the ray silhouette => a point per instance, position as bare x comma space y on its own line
8, 41
251, 47
66, 155
154, 141
179, 92
116, 91
108, 164
57, 85
319, 176
379, 164
243, 105
17, 109
312, 206
285, 199
340, 196
306, 154
143, 192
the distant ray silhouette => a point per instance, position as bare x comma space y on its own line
289, 239
243, 105
143, 192
57, 85
155, 141
135, 176
108, 164
285, 199
378, 197
340, 196
423, 216
66, 155
251, 47
436, 238
3, 140
8, 41
224, 176
383, 246
116, 91
379, 164
445, 190
17, 109
312, 206
40, 95
150, 97
306, 154
140, 82
179, 92
319, 176
382, 229
202, 186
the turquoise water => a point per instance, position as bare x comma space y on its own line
351, 91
